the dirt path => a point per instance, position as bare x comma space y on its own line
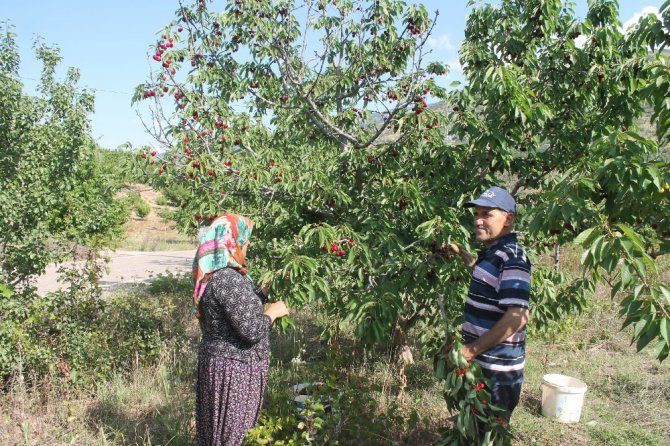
129, 267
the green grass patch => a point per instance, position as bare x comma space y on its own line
627, 403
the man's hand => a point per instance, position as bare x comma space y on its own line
468, 352
453, 248
512, 321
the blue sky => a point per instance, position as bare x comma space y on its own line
108, 41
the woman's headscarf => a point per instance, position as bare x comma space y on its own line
220, 247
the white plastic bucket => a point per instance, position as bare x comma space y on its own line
562, 397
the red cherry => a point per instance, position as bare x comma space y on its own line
153, 153
180, 29
218, 123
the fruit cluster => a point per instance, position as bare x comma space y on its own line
337, 247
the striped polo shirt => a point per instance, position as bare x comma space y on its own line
500, 279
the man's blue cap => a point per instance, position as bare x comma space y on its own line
494, 197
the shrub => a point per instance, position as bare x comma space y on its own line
81, 338
161, 200
142, 208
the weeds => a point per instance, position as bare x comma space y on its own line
153, 403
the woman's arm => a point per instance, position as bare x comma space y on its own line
241, 306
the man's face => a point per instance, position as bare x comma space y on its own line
491, 224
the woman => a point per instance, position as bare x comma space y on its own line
234, 351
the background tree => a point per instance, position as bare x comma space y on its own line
52, 194
56, 197
339, 158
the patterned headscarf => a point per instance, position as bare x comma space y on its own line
220, 247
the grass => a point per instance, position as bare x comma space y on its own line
157, 241
627, 403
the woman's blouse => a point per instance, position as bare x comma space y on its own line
232, 321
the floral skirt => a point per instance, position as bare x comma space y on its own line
229, 395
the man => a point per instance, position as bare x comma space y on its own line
497, 306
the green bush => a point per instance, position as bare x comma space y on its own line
81, 339
170, 283
344, 409
177, 194
161, 200
142, 208
134, 201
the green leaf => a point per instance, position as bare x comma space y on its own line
666, 293
632, 236
650, 333
583, 236
664, 329
640, 325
